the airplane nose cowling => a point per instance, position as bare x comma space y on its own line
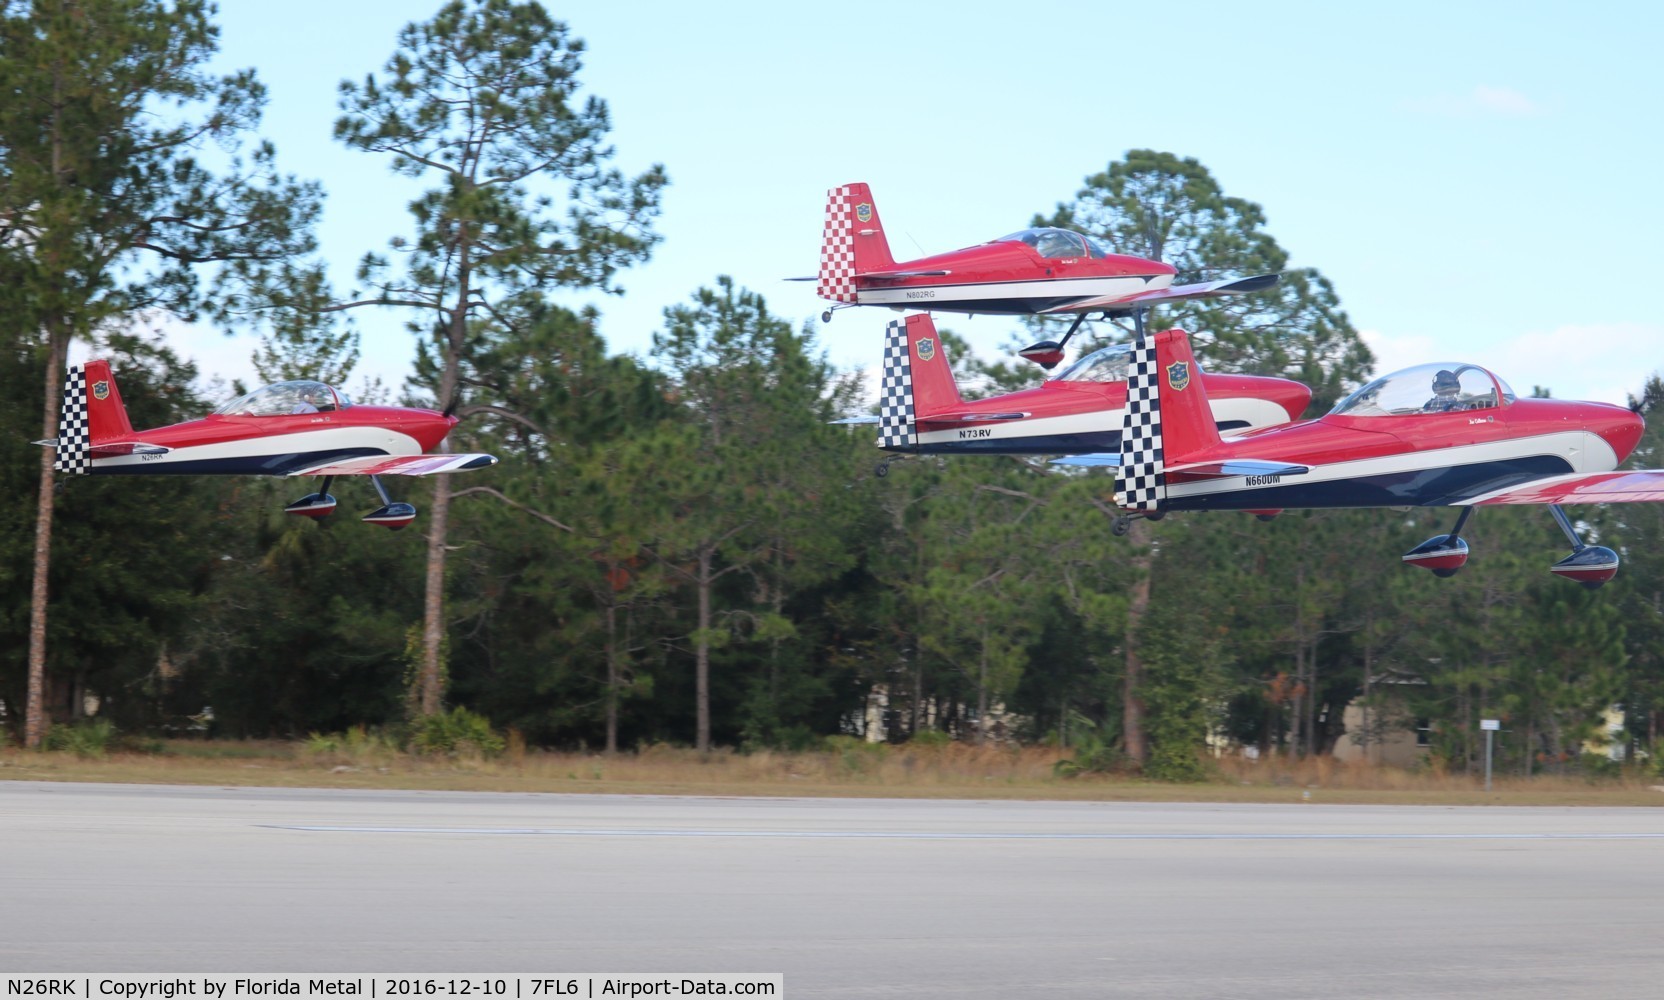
1619, 427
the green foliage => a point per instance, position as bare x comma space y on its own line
457, 733
91, 738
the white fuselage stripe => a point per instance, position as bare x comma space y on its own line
1046, 288
1242, 409
333, 439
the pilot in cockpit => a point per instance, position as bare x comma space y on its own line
308, 402
1446, 392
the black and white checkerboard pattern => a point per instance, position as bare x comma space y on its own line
73, 451
895, 390
837, 248
1140, 483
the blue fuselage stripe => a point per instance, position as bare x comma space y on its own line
244, 465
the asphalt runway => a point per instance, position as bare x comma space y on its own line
846, 897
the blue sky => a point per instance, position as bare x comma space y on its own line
1480, 180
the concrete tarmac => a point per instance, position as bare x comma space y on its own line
846, 897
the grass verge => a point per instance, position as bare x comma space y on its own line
955, 771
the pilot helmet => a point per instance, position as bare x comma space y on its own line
1445, 382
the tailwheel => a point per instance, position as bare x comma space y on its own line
1444, 555
1590, 565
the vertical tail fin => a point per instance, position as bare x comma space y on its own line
1168, 420
92, 412
915, 382
851, 243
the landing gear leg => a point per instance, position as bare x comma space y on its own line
1590, 565
390, 515
1123, 521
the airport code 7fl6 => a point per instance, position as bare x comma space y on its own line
306, 986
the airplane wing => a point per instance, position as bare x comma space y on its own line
1201, 290
398, 465
1634, 486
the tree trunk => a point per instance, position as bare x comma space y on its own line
702, 657
982, 694
612, 671
34, 713
1132, 708
431, 683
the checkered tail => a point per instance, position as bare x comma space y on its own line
73, 452
837, 247
1140, 483
895, 390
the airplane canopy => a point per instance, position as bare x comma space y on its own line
1439, 387
1054, 243
1107, 364
282, 398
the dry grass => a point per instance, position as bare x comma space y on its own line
953, 771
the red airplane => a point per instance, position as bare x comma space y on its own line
1438, 435
1027, 273
299, 428
1079, 411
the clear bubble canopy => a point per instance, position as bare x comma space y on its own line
283, 398
1438, 387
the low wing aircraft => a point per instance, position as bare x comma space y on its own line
1081, 410
1030, 272
1438, 435
299, 428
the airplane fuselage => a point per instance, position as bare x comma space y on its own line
1416, 459
279, 445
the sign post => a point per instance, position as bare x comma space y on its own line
1490, 726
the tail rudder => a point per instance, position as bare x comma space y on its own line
92, 412
852, 242
934, 389
916, 380
1168, 420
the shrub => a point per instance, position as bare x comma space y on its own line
930, 739
458, 732
84, 739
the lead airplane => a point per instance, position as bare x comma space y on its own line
1438, 435
1079, 411
297, 428
1031, 272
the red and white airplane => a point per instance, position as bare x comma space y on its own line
299, 428
1438, 435
1079, 411
1030, 272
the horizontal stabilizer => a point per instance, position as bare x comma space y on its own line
967, 418
1236, 467
887, 275
1110, 460
871, 418
399, 465
1175, 293
111, 449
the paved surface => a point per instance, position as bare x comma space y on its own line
848, 898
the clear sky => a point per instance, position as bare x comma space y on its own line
1479, 180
